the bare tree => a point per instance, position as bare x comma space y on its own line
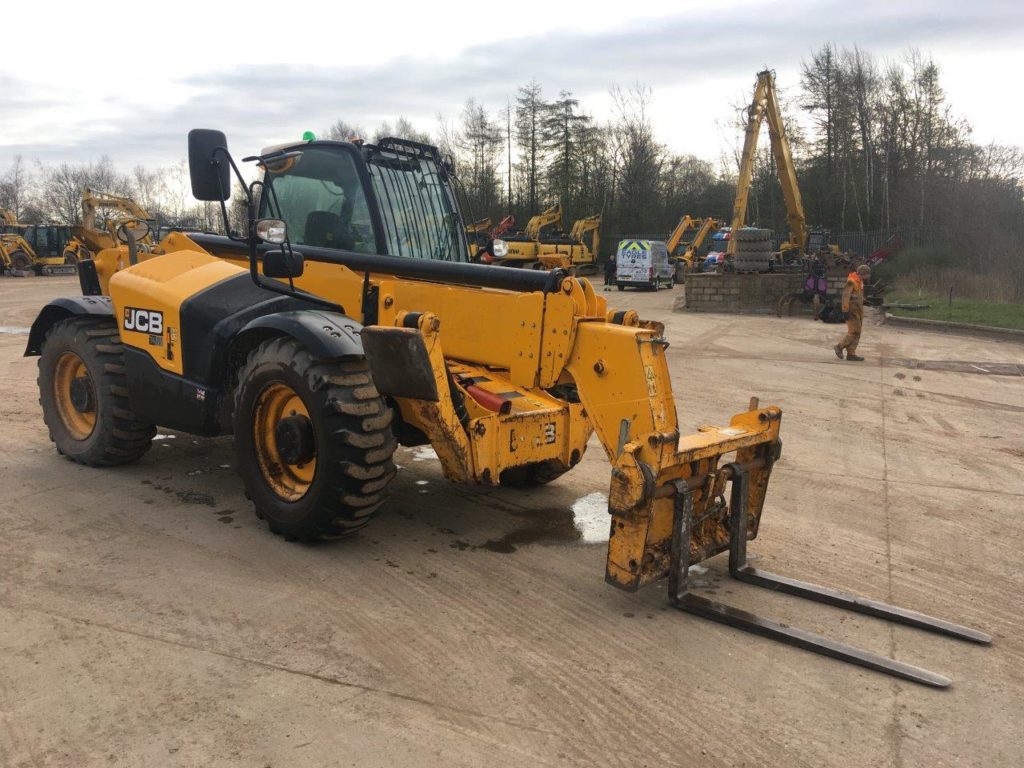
14, 187
342, 131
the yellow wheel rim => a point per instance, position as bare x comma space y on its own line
77, 413
289, 481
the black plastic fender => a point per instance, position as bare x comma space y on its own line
327, 335
60, 309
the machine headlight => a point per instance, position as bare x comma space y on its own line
499, 249
272, 231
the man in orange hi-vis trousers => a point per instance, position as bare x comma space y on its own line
853, 308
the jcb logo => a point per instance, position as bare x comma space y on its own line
143, 320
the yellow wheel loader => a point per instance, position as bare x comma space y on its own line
346, 320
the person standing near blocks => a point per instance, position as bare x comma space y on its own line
853, 308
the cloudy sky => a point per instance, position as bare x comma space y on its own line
130, 79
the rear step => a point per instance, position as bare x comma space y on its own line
681, 598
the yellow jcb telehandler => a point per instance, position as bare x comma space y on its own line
347, 320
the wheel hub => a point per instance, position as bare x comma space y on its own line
74, 394
285, 441
295, 441
81, 395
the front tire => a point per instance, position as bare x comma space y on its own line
83, 391
313, 440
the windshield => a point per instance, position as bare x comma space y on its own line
417, 209
322, 200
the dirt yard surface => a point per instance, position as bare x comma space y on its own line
147, 618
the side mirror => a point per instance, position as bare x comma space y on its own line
210, 173
280, 264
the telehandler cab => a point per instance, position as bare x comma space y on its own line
346, 319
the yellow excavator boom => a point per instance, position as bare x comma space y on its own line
551, 216
765, 106
685, 225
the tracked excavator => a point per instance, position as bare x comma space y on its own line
346, 319
525, 250
544, 244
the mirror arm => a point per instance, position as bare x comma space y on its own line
226, 195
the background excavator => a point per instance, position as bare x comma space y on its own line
801, 240
103, 215
687, 241
344, 322
524, 249
28, 248
544, 244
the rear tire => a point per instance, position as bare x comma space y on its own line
83, 391
345, 444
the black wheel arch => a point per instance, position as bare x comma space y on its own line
61, 309
327, 335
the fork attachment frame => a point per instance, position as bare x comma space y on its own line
681, 598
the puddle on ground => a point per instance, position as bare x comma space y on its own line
14, 330
161, 436
194, 497
587, 521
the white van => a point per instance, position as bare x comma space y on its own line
643, 264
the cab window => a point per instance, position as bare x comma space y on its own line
322, 200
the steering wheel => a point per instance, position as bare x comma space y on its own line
139, 227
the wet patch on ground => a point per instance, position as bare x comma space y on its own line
187, 497
586, 521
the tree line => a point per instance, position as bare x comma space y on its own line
877, 147
876, 144
39, 193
